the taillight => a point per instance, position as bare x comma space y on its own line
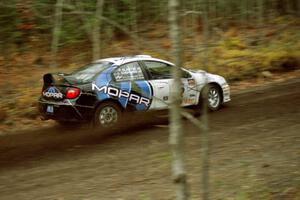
72, 93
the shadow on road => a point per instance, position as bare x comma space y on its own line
35, 144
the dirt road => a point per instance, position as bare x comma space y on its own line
255, 154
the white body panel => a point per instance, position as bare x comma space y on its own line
161, 93
203, 78
162, 88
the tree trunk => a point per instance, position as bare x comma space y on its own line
260, 4
176, 131
27, 21
56, 31
134, 13
206, 31
204, 131
96, 30
244, 13
205, 150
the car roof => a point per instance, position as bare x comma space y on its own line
127, 59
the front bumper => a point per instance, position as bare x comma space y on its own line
226, 93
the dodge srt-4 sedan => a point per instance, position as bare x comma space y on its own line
104, 90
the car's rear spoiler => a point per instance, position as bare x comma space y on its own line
54, 79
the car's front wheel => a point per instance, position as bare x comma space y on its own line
212, 97
108, 114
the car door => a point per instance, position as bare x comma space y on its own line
134, 92
160, 77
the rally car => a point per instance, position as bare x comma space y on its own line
104, 90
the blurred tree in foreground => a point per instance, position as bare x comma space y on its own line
176, 139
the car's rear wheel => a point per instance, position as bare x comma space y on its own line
212, 97
108, 114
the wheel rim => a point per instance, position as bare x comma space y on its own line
213, 98
108, 116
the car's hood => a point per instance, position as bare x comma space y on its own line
209, 77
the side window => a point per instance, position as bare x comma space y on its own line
129, 72
159, 70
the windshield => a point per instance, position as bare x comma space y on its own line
86, 73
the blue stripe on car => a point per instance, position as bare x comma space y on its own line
103, 80
145, 92
125, 86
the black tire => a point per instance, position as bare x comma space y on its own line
107, 115
211, 95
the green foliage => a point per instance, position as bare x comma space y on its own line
133, 15
233, 43
8, 23
234, 59
145, 196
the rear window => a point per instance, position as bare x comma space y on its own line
87, 73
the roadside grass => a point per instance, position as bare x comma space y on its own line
236, 58
145, 196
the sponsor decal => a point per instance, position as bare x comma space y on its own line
116, 92
188, 101
191, 82
52, 92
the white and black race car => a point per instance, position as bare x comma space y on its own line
105, 89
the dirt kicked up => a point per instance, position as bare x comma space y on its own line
255, 154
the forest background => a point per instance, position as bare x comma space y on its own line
254, 40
